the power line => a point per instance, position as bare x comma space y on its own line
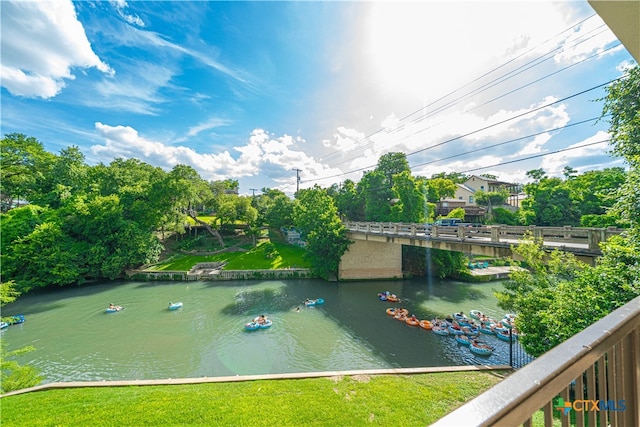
480, 130
507, 142
536, 156
482, 88
501, 96
512, 117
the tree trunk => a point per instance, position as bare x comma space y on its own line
214, 232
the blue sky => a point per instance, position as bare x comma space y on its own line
252, 91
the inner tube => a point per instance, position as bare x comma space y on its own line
425, 324
400, 316
412, 322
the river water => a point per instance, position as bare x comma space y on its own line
76, 340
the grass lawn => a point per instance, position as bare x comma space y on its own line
252, 259
207, 219
405, 400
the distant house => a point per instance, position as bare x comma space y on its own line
490, 185
475, 183
465, 193
465, 197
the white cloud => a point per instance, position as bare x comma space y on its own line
159, 41
263, 154
212, 123
589, 38
579, 154
134, 91
41, 43
121, 5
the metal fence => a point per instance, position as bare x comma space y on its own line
591, 379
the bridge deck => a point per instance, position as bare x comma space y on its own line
491, 240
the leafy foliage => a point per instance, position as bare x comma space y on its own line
411, 203
503, 216
549, 203
14, 376
445, 263
622, 107
557, 296
316, 215
456, 213
24, 162
560, 298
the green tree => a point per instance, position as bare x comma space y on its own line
445, 263
391, 164
621, 108
456, 177
66, 177
23, 160
596, 191
456, 213
491, 199
349, 201
536, 174
568, 172
14, 376
219, 192
549, 203
107, 243
17, 223
531, 291
410, 196
275, 209
503, 216
556, 296
316, 216
246, 213
622, 111
377, 195
439, 188
132, 181
44, 257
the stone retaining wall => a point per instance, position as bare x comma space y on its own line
292, 273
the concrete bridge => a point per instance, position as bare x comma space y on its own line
377, 249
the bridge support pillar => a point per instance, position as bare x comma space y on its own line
367, 259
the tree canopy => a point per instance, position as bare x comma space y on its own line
556, 296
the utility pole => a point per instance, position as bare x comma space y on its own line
297, 178
253, 190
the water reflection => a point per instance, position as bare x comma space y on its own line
76, 340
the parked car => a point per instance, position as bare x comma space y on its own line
449, 222
455, 222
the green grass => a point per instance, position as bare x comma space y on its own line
253, 259
207, 219
406, 400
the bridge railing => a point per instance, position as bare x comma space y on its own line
594, 376
587, 237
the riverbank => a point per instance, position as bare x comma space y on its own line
493, 273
